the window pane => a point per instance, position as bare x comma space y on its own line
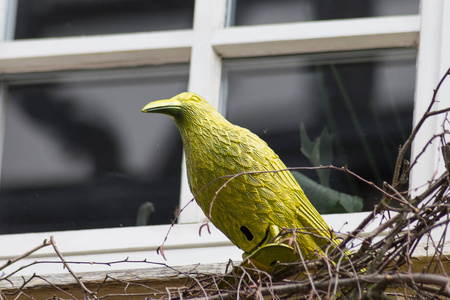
363, 99
253, 12
55, 18
80, 153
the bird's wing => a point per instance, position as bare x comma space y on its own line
287, 190
308, 215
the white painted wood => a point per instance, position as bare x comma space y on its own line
184, 245
174, 46
444, 91
141, 238
3, 18
129, 239
95, 51
157, 277
136, 260
431, 62
8, 12
317, 36
204, 79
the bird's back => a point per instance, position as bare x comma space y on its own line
249, 204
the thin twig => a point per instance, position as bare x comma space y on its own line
67, 266
303, 289
26, 254
407, 144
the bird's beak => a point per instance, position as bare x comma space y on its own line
170, 107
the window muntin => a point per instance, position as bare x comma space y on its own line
54, 18
364, 99
80, 154
256, 12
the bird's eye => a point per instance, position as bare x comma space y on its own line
195, 99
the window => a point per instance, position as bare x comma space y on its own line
51, 18
255, 12
78, 153
107, 72
360, 102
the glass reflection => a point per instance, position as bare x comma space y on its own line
80, 154
363, 101
254, 12
54, 18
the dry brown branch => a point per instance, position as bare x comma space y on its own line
26, 254
67, 266
289, 289
53, 285
428, 113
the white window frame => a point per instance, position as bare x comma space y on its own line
203, 47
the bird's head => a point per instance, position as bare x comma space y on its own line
183, 107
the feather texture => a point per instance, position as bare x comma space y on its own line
246, 208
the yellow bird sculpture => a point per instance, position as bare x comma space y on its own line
251, 208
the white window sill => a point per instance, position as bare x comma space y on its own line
184, 246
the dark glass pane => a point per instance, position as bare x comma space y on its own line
254, 12
80, 153
364, 100
56, 18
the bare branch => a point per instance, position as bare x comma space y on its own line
66, 265
407, 144
26, 254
